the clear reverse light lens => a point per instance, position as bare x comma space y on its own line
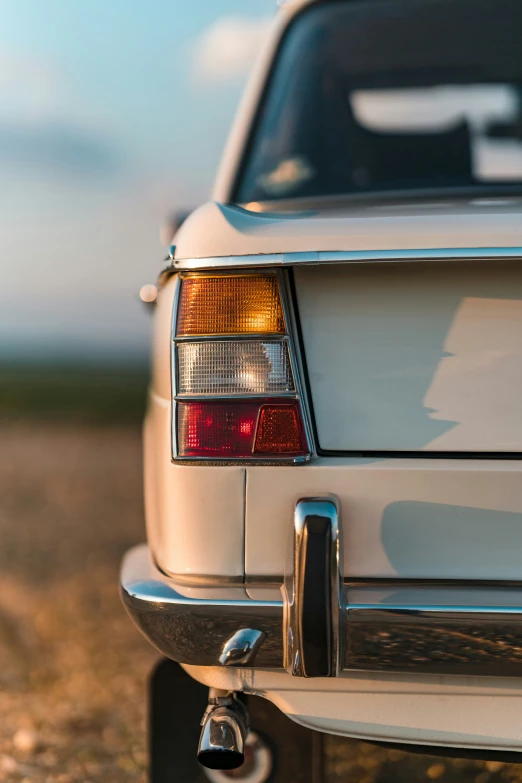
234, 367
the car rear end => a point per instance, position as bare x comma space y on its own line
337, 472
334, 436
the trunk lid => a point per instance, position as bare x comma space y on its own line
220, 231
409, 357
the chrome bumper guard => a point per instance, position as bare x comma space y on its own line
319, 626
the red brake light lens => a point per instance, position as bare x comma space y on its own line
240, 429
217, 429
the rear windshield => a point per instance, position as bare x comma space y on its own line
381, 95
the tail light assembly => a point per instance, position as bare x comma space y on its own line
235, 375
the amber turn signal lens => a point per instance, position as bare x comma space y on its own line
235, 304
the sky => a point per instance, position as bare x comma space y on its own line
112, 114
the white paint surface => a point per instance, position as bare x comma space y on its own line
409, 518
415, 357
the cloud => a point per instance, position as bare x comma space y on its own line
57, 147
29, 88
41, 126
228, 48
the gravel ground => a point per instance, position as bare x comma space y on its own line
73, 669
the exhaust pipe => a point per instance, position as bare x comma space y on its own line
224, 729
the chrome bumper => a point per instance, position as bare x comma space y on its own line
463, 629
203, 627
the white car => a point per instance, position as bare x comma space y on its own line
333, 440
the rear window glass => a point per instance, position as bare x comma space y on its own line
384, 95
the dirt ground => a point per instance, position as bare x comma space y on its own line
73, 669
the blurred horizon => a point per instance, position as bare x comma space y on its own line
110, 118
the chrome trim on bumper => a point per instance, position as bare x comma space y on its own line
313, 590
477, 638
424, 630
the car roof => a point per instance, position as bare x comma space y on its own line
294, 3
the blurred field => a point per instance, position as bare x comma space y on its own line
110, 394
73, 670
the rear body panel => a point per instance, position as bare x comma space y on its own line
412, 518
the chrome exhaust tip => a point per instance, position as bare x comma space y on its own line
223, 734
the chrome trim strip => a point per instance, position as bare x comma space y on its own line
424, 254
188, 397
263, 337
264, 259
392, 583
492, 586
296, 361
174, 371
243, 461
347, 257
